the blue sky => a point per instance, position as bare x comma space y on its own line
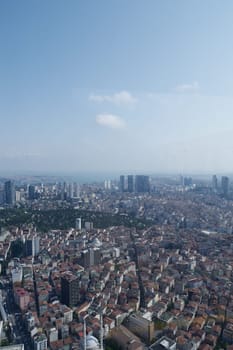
125, 86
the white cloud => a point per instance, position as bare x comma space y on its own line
110, 121
119, 98
193, 87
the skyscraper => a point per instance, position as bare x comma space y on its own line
122, 183
225, 185
214, 182
130, 183
9, 191
71, 190
187, 181
32, 245
76, 190
64, 191
69, 289
142, 183
107, 184
31, 192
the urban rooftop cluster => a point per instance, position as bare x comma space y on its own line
164, 285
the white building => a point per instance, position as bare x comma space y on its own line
92, 343
17, 274
53, 335
78, 224
40, 342
13, 347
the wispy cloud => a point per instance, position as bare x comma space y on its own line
119, 98
110, 121
192, 87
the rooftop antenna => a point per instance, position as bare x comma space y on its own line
101, 331
85, 332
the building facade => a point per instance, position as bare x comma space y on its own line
69, 289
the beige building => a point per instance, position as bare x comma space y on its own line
126, 339
141, 325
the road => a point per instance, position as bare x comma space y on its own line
140, 283
20, 335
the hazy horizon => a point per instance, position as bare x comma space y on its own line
105, 175
126, 87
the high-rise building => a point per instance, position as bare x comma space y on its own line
130, 183
107, 184
122, 183
70, 289
76, 190
225, 185
64, 192
31, 192
142, 183
214, 182
71, 190
78, 224
187, 181
32, 245
18, 196
2, 196
90, 257
9, 191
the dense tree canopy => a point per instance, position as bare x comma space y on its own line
45, 220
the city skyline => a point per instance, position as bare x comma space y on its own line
126, 87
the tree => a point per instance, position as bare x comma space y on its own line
111, 344
4, 342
